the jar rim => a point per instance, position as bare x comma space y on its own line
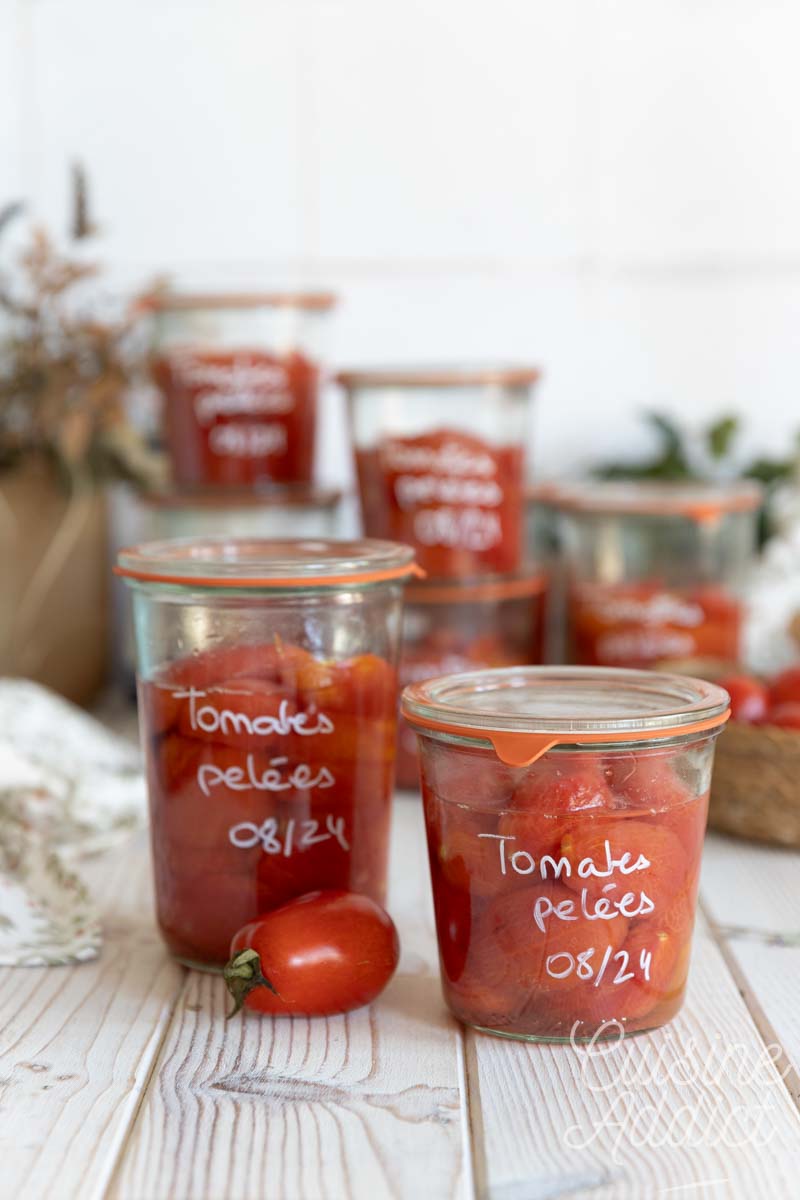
485, 588
697, 500
289, 495
266, 562
503, 375
525, 711
164, 302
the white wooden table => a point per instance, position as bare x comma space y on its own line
121, 1078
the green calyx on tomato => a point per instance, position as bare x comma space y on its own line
242, 974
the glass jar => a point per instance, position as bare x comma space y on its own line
440, 458
565, 811
239, 376
448, 628
654, 572
293, 511
267, 702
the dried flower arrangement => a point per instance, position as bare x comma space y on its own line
64, 374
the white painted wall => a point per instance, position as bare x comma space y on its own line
611, 189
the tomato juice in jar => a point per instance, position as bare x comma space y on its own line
239, 376
654, 572
440, 458
449, 628
565, 812
267, 707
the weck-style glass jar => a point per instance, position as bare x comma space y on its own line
565, 812
239, 376
655, 571
440, 457
267, 701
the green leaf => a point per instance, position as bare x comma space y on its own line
720, 436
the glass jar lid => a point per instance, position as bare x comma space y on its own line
266, 562
286, 495
525, 711
697, 501
444, 377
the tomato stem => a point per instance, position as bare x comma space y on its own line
242, 974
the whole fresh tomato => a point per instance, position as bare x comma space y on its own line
749, 698
785, 687
323, 953
787, 715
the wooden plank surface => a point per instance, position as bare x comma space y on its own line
121, 1078
364, 1106
77, 1044
688, 1107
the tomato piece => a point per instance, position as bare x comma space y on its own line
204, 669
199, 913
324, 953
648, 780
468, 853
785, 687
247, 713
514, 965
473, 778
749, 697
546, 800
595, 852
785, 716
198, 811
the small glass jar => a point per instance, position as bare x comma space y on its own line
655, 572
239, 376
293, 511
449, 628
267, 707
440, 457
565, 811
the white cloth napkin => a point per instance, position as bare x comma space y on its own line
68, 787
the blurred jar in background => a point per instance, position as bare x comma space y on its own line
239, 376
654, 572
440, 457
467, 626
541, 546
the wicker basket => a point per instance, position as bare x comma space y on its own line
755, 790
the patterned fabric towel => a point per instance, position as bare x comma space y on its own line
68, 788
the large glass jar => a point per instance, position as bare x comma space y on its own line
440, 457
267, 702
565, 811
239, 376
654, 572
448, 628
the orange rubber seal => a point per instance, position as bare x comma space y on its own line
523, 749
217, 581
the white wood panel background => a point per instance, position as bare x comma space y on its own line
610, 189
121, 1078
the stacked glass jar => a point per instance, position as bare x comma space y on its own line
239, 376
440, 460
654, 573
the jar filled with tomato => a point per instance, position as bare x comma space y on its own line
565, 812
440, 458
654, 572
267, 700
239, 378
449, 628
